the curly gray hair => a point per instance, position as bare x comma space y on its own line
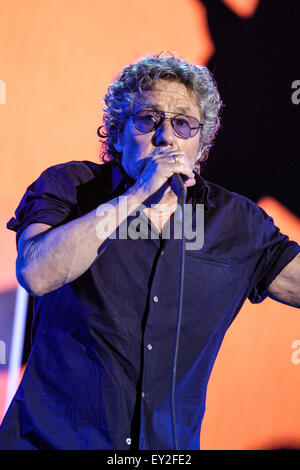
130, 83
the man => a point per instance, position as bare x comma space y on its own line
100, 374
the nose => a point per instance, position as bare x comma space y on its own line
164, 134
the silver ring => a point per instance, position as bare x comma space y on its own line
176, 158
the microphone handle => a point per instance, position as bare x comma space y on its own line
177, 182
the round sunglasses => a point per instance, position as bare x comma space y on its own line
148, 120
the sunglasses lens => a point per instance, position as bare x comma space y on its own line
185, 126
182, 126
145, 121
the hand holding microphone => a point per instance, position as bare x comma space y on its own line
162, 169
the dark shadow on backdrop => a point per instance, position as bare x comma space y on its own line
256, 60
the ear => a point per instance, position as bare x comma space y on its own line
203, 156
118, 144
200, 157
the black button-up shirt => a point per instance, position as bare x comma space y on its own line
99, 374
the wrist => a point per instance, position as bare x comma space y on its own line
135, 195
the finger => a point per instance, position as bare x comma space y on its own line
178, 158
183, 167
167, 154
172, 161
168, 168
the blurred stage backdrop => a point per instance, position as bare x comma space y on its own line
56, 61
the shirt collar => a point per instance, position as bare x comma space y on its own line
120, 180
200, 192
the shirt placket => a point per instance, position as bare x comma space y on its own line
151, 353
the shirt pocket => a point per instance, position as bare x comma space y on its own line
219, 261
208, 274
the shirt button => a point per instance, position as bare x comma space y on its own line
149, 347
128, 441
162, 252
155, 298
143, 394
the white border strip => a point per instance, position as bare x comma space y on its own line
17, 343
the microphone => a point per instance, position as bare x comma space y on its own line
178, 187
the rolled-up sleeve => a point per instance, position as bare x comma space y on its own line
51, 199
274, 252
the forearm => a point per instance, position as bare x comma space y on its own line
286, 286
62, 254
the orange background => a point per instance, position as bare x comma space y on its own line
57, 59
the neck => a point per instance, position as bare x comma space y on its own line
160, 213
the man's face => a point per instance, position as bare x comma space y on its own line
167, 96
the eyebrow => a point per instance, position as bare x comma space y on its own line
156, 107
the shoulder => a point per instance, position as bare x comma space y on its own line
225, 199
70, 176
241, 214
76, 169
83, 184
